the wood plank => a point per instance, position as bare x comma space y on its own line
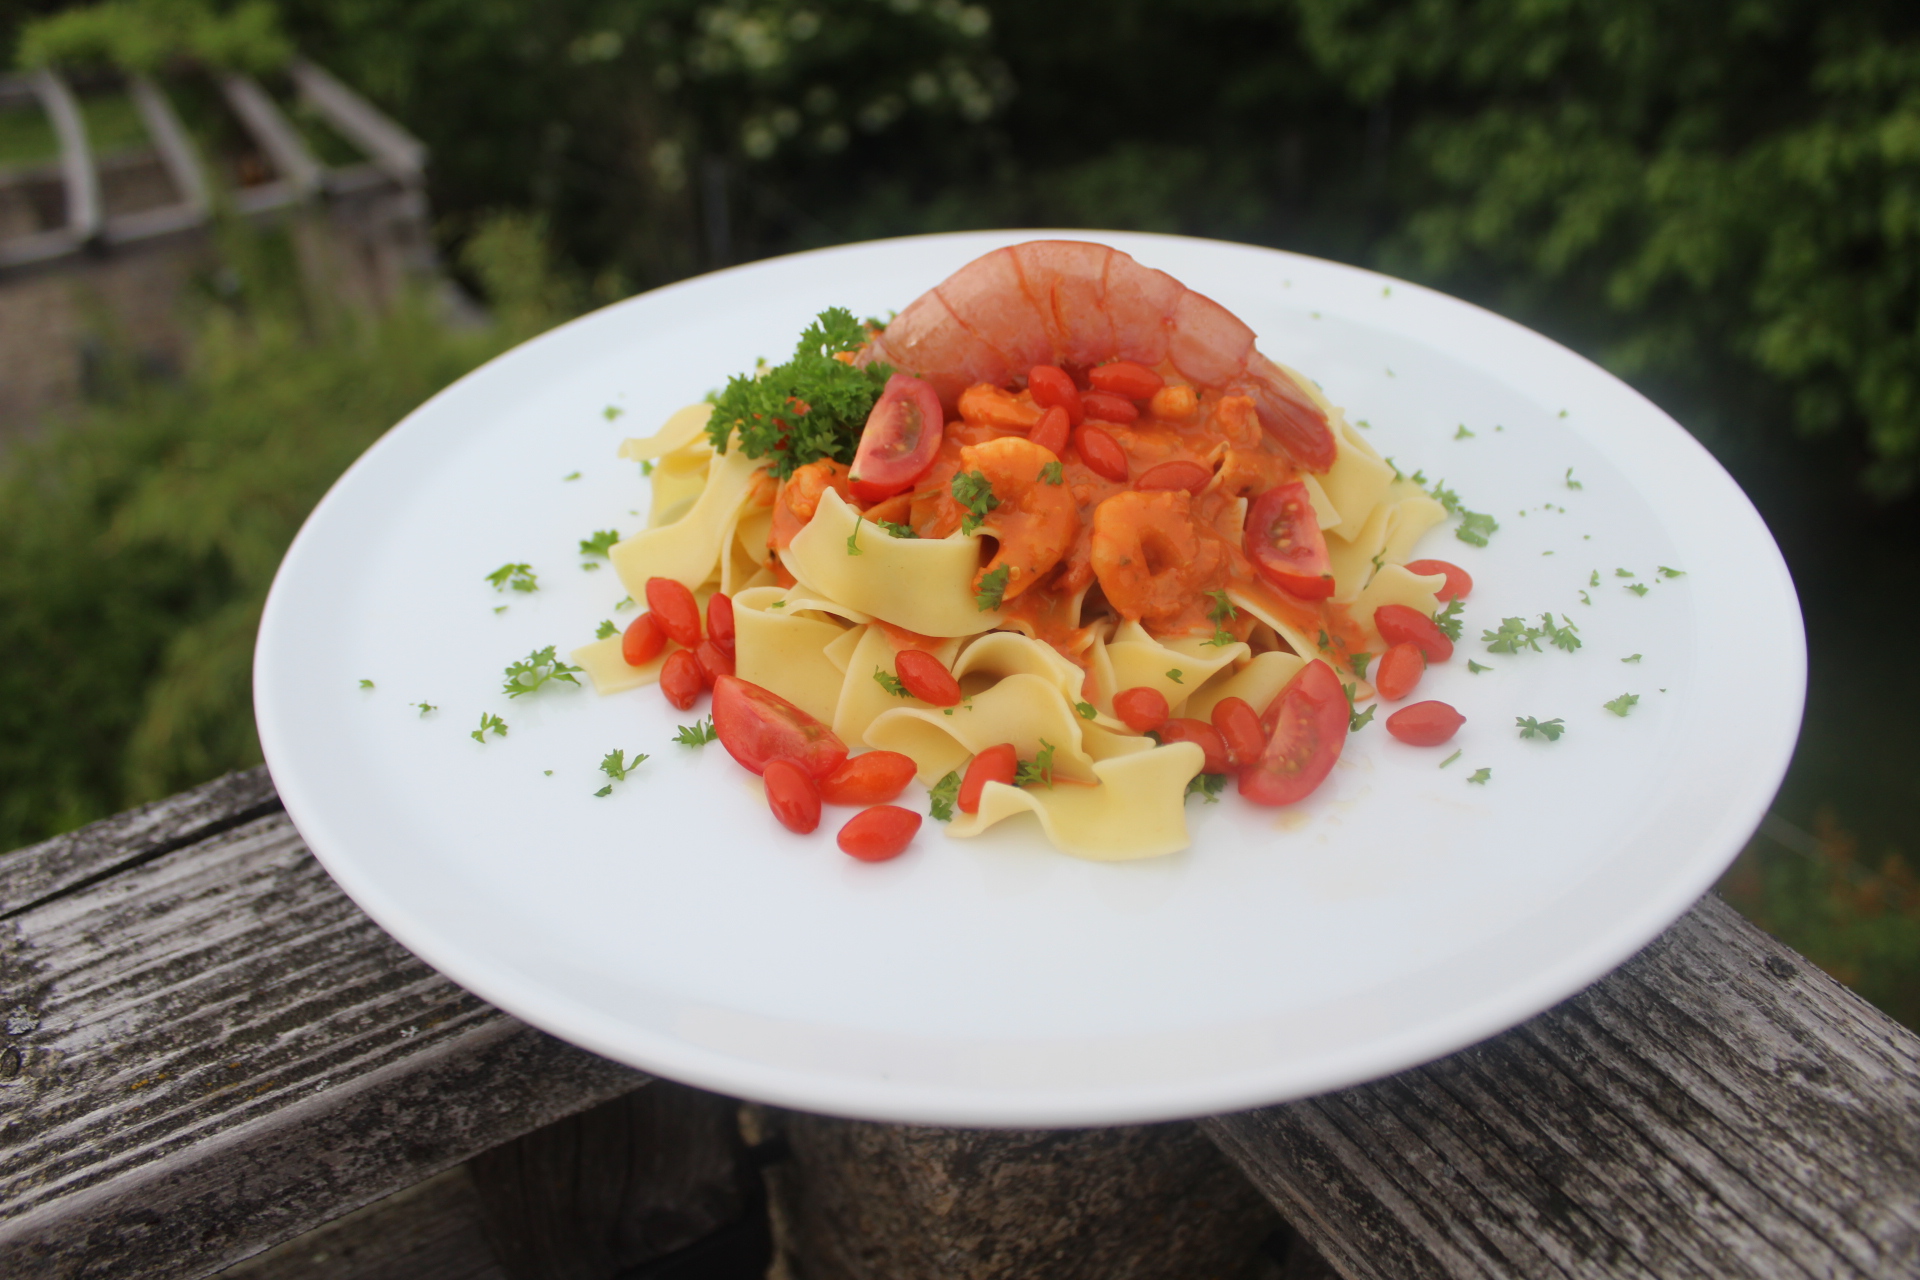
1717, 1107
276, 135
398, 152
84, 209
171, 140
210, 1049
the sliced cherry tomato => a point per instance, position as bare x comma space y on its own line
681, 679
1125, 378
1178, 474
793, 795
1239, 726
1052, 431
720, 620
900, 441
642, 641
1141, 708
675, 610
1459, 581
926, 679
1283, 540
873, 778
1403, 624
1100, 451
1102, 407
1053, 388
879, 834
1308, 729
758, 725
714, 661
995, 764
1425, 724
1202, 735
1399, 671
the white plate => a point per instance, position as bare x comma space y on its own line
1398, 914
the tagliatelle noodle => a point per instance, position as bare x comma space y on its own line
607, 667
1259, 683
862, 701
1133, 659
1394, 585
1137, 811
783, 650
922, 584
1413, 515
688, 550
1026, 710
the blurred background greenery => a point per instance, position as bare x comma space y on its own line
1719, 200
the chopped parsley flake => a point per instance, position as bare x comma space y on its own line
813, 406
574, 476
617, 766
611, 412
897, 530
1562, 636
1448, 619
853, 539
1625, 573
1632, 658
1585, 598
1360, 661
1571, 482
993, 586
590, 566
1622, 704
1207, 786
1513, 633
1174, 674
425, 708
489, 723
1037, 772
941, 797
1052, 473
600, 543
893, 684
1086, 710
1548, 729
972, 490
1450, 759
1638, 588
520, 577
697, 734
499, 608
605, 629
534, 670
1670, 573
626, 603
1594, 581
1475, 667
1463, 433
366, 684
1474, 528
646, 466
1481, 776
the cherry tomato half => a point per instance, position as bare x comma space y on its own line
1202, 735
675, 610
1283, 540
1459, 581
1178, 474
1126, 379
642, 641
1309, 728
1399, 671
1425, 724
757, 726
1141, 708
900, 440
720, 620
1102, 407
873, 778
1053, 388
926, 678
793, 796
1052, 431
1403, 624
879, 834
1101, 452
681, 679
995, 764
714, 661
1239, 726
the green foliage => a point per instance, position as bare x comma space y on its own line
137, 543
147, 35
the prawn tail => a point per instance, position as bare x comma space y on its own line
1291, 417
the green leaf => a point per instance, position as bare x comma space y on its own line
972, 490
1631, 658
366, 684
1475, 668
897, 530
1638, 588
489, 723
520, 577
853, 539
605, 629
1450, 759
1207, 786
1481, 776
1086, 710
1548, 729
425, 708
941, 797
892, 683
1622, 704
1361, 661
1463, 433
600, 543
1448, 619
1052, 473
1038, 772
992, 587
535, 670
1571, 482
1175, 674
697, 734
1670, 573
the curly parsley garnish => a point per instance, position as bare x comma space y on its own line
1038, 771
1053, 473
1481, 776
1475, 668
489, 723
697, 734
1548, 729
1356, 719
972, 490
1632, 658
1571, 482
600, 543
1665, 572
942, 795
1207, 786
366, 684
1513, 633
1220, 612
993, 587
1448, 619
1622, 704
1360, 662
813, 406
1474, 525
1086, 710
605, 629
534, 670
853, 539
1174, 674
897, 530
1638, 588
520, 577
617, 767
426, 708
893, 684
1625, 573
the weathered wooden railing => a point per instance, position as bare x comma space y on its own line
208, 1051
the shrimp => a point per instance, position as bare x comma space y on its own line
1069, 302
1035, 520
1152, 559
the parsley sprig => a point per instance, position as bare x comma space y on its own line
992, 589
534, 670
520, 577
892, 683
1207, 786
1475, 526
1548, 729
897, 530
942, 795
697, 734
1622, 704
813, 406
972, 490
1220, 612
489, 723
1448, 619
600, 543
1038, 771
617, 767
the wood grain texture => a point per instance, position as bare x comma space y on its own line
210, 1049
1717, 1107
431, 1231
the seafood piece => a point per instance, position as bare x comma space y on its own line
1035, 521
1051, 302
1151, 558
